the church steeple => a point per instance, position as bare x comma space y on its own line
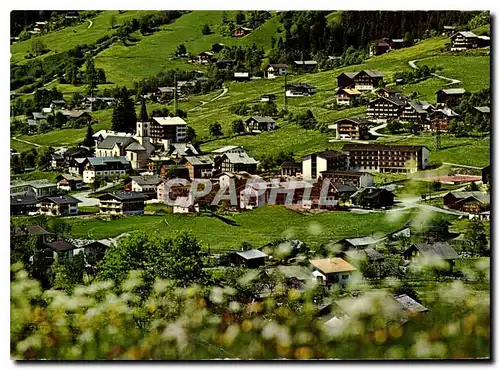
143, 114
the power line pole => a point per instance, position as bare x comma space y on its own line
175, 94
284, 88
438, 136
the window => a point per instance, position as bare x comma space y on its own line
345, 277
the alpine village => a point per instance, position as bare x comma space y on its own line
250, 184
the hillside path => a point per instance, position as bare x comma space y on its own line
374, 130
26, 142
452, 81
224, 91
90, 23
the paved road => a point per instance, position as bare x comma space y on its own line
414, 202
461, 165
452, 81
87, 201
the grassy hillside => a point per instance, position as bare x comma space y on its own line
70, 37
472, 70
150, 55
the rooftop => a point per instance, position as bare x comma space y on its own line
124, 195
226, 149
23, 200
483, 109
60, 245
111, 140
242, 158
62, 199
454, 91
441, 250
332, 265
409, 304
170, 121
199, 160
262, 119
406, 148
251, 254
147, 180
96, 161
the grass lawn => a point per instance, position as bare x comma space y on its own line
414, 188
19, 146
37, 175
257, 227
70, 37
477, 67
153, 53
466, 151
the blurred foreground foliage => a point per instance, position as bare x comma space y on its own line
108, 321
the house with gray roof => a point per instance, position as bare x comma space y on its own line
61, 205
483, 110
439, 252
147, 184
38, 188
413, 112
467, 201
259, 124
199, 166
23, 205
251, 258
450, 95
409, 304
228, 149
359, 242
105, 167
124, 203
236, 162
463, 40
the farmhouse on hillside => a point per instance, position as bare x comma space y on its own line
302, 89
440, 119
432, 253
446, 96
373, 198
275, 70
347, 96
146, 184
236, 162
251, 258
467, 201
259, 124
332, 270
352, 128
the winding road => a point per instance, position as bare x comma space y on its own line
224, 91
26, 142
374, 130
452, 81
90, 23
